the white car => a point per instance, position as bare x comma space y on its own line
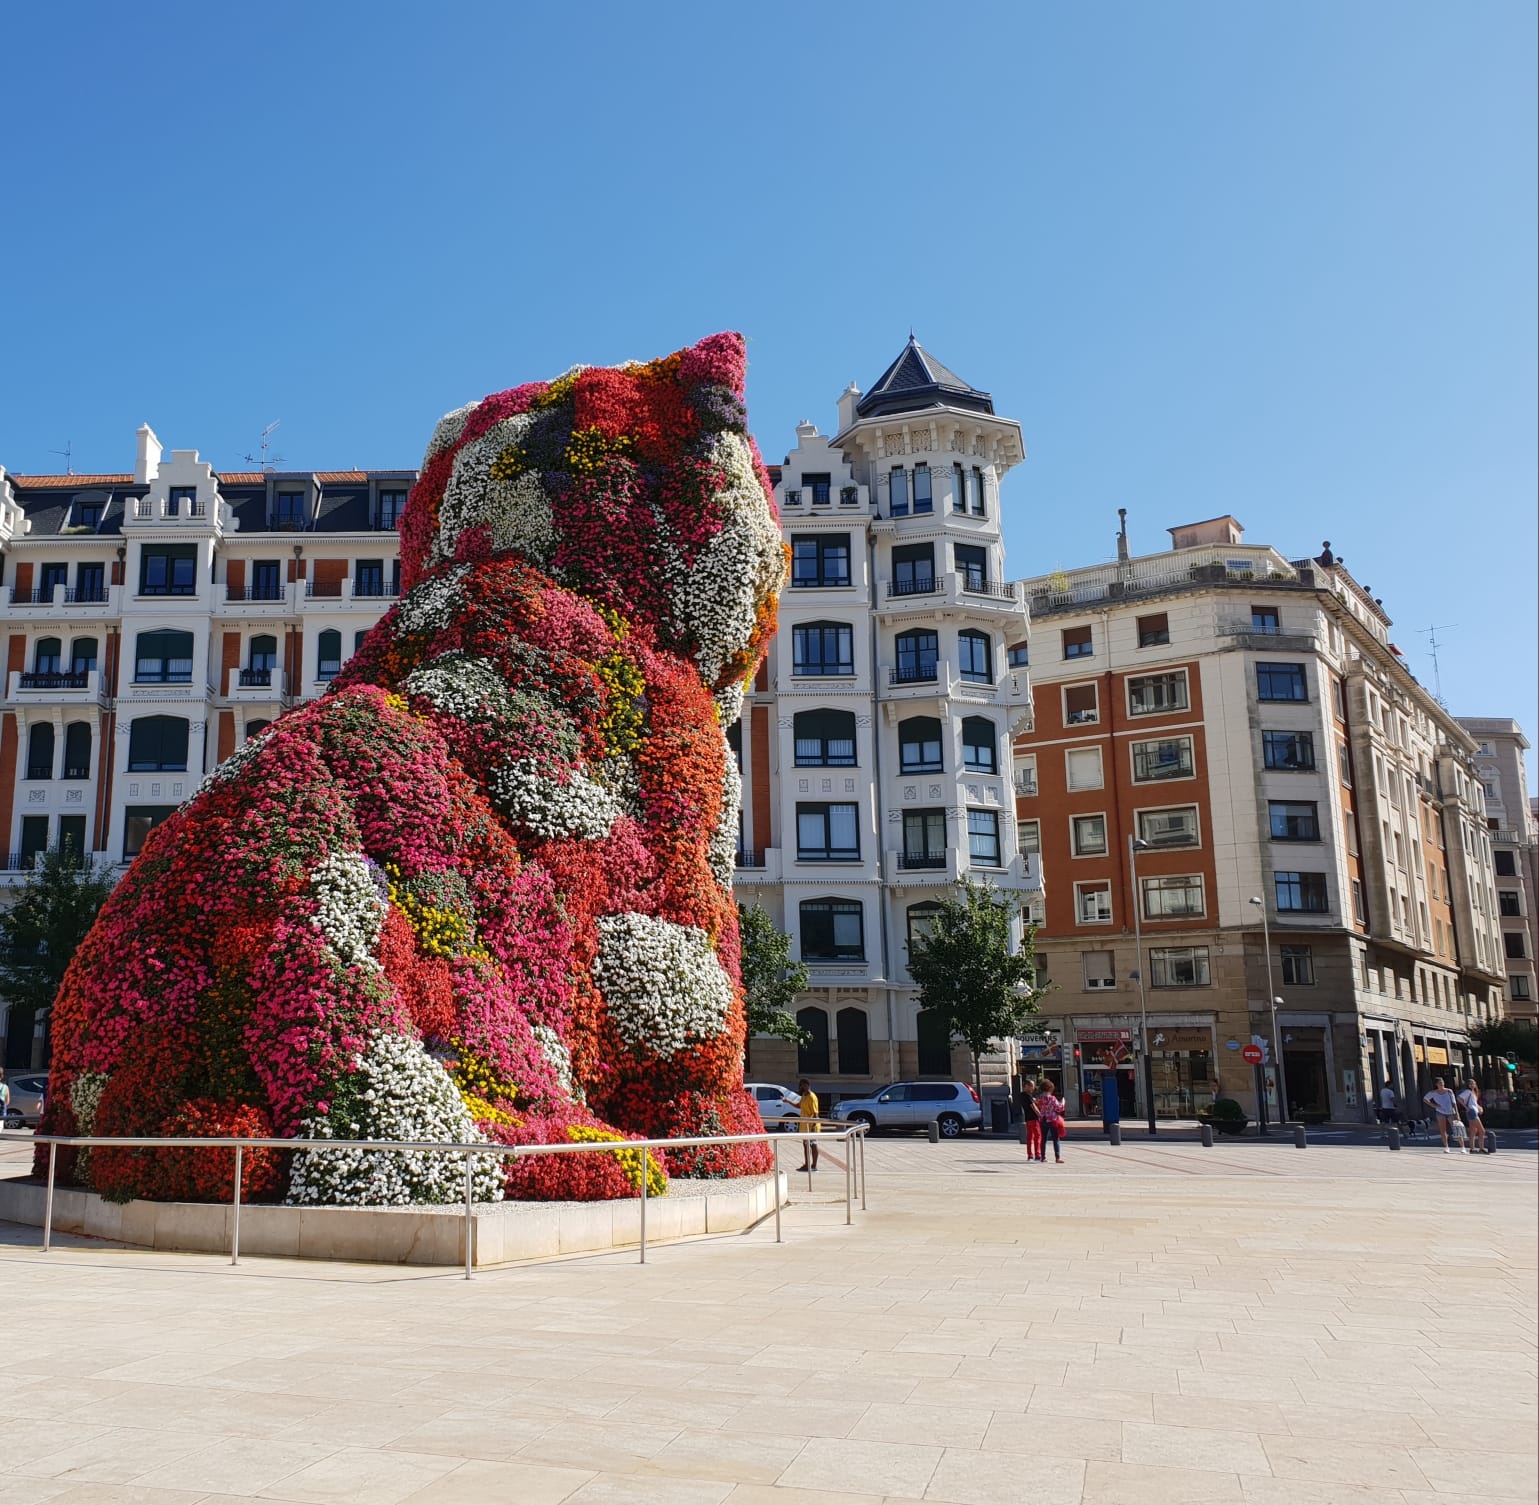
777, 1105
27, 1091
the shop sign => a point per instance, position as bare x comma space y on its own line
1104, 1036
1168, 1039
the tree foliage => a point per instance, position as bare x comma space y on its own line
1499, 1037
39, 933
967, 971
771, 979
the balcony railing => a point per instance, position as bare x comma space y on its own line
917, 674
925, 585
252, 679
376, 590
1000, 590
255, 593
1025, 781
749, 857
21, 862
50, 679
86, 595
913, 862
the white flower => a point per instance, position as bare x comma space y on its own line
723, 845
400, 1094
463, 686
560, 1060
429, 607
552, 807
350, 909
449, 429
662, 983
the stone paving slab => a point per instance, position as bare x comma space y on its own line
1249, 1324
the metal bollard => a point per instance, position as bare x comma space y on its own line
934, 1131
643, 1155
470, 1218
1300, 1137
1115, 1131
1206, 1131
1394, 1138
235, 1208
1021, 1132
775, 1145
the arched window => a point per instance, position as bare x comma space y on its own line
40, 751
77, 750
49, 651
163, 658
980, 744
934, 1045
854, 1042
157, 744
82, 655
919, 745
918, 654
825, 739
256, 728
328, 654
833, 930
263, 652
975, 653
812, 1054
920, 918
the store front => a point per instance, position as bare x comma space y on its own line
1039, 1058
1306, 1070
1184, 1069
1105, 1065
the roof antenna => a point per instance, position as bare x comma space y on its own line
1430, 633
265, 461
69, 456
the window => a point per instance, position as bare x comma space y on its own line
77, 750
90, 583
72, 835
817, 484
1512, 941
958, 488
328, 654
40, 750
1507, 902
1298, 966
1302, 892
265, 582
88, 514
1026, 774
46, 657
1344, 763
820, 559
976, 492
1167, 758
854, 1042
1176, 827
1156, 694
34, 838
1338, 696
924, 839
918, 656
1291, 751
824, 739
1178, 897
913, 569
369, 578
972, 564
1506, 864
1295, 821
827, 833
256, 728
1029, 833
822, 648
921, 917
157, 744
1179, 967
1080, 705
289, 510
1263, 619
138, 822
391, 505
1078, 642
1100, 968
976, 655
922, 501
980, 745
50, 577
1082, 766
169, 570
1153, 631
1088, 835
919, 745
1019, 656
182, 501
735, 742
833, 930
82, 656
1519, 986
262, 656
983, 837
163, 658
1092, 903
898, 490
812, 1050
1281, 682
1359, 908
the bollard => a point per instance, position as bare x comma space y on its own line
1206, 1131
1115, 1130
1300, 1137
934, 1131
1021, 1132
1394, 1138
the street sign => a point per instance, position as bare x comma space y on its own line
1252, 1053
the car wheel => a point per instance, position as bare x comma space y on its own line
862, 1118
950, 1125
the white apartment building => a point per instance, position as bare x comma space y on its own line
155, 619
1500, 745
1308, 828
875, 744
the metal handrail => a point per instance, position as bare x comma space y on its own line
241, 1143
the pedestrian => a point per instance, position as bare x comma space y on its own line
1051, 1108
1389, 1106
1033, 1121
807, 1122
1474, 1114
5, 1098
1442, 1103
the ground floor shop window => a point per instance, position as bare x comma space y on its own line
1184, 1082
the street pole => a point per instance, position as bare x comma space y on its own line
1272, 1000
1134, 845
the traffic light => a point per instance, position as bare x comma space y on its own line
1511, 1062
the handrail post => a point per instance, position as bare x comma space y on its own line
862, 1137
775, 1145
643, 1155
53, 1153
469, 1216
240, 1151
849, 1180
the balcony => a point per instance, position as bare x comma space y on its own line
748, 857
60, 597
758, 866
962, 590
257, 685
71, 686
915, 674
926, 585
257, 595
921, 862
347, 594
1026, 782
1267, 637
1216, 565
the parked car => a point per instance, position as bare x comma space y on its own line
27, 1091
916, 1105
777, 1104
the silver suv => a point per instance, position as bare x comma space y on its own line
916, 1105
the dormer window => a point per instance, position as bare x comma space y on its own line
88, 514
391, 505
182, 501
817, 488
289, 510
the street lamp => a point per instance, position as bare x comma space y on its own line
1135, 846
1272, 1002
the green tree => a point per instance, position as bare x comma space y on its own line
1498, 1037
771, 979
968, 972
39, 933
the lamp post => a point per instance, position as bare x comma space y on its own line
1135, 846
1272, 1002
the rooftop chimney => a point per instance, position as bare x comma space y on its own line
847, 400
147, 466
1122, 535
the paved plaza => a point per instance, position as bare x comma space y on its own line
1155, 1323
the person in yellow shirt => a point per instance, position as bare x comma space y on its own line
807, 1122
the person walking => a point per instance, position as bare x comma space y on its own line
1442, 1103
1033, 1116
1389, 1105
1051, 1108
5, 1099
1474, 1115
807, 1122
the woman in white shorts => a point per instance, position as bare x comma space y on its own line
1442, 1103
1474, 1114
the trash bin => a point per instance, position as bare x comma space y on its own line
999, 1114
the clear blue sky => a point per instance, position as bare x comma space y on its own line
1270, 259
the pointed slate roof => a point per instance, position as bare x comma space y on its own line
917, 380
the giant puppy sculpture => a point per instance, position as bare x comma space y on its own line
482, 886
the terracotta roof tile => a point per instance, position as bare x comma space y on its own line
75, 482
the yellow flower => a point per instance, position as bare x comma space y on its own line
630, 1160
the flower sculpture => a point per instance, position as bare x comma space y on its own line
479, 891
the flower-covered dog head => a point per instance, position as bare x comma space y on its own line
636, 486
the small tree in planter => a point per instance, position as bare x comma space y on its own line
1225, 1115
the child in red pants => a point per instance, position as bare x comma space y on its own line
1033, 1121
